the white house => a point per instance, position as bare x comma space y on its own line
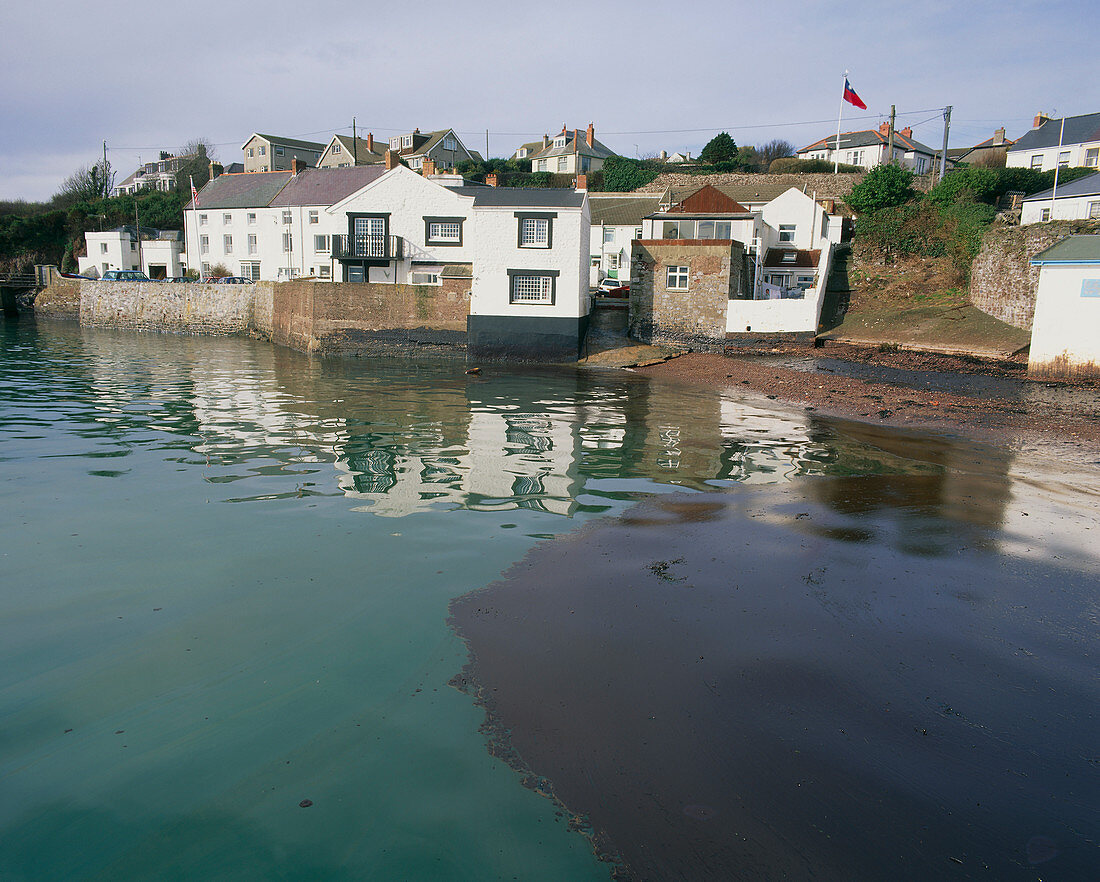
1040, 149
871, 147
157, 253
158, 175
1064, 342
617, 222
443, 147
269, 153
569, 152
1077, 200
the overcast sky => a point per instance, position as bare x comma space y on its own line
650, 75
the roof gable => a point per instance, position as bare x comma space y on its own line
708, 200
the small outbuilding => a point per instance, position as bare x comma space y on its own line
1064, 336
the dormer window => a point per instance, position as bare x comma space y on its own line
559, 142
790, 256
406, 140
394, 143
521, 153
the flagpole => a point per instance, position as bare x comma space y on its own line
1057, 166
839, 114
195, 212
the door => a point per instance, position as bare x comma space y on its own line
370, 237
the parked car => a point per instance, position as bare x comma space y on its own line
613, 288
76, 276
234, 280
180, 279
125, 276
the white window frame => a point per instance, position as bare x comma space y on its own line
450, 144
325, 272
250, 269
204, 244
1063, 159
322, 244
563, 163
1093, 210
1092, 157
314, 217
1044, 215
288, 242
1037, 161
608, 235
677, 278
227, 219
263, 150
423, 277
227, 243
406, 140
560, 141
531, 288
202, 220
253, 246
335, 146
535, 232
787, 232
287, 216
251, 218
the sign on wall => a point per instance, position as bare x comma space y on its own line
1090, 287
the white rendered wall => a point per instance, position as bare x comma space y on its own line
1073, 208
1067, 314
783, 316
1022, 158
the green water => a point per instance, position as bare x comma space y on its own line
226, 571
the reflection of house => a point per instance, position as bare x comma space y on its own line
157, 253
1067, 143
1077, 200
269, 153
616, 223
344, 150
569, 152
871, 147
773, 275
159, 175
1064, 342
443, 148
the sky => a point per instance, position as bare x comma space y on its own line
649, 75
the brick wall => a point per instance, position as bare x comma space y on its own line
1002, 281
342, 317
696, 317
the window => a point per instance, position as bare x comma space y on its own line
532, 286
535, 230
288, 245
608, 235
563, 163
804, 281
250, 269
395, 143
263, 150
406, 140
202, 220
521, 153
1037, 161
286, 216
424, 278
250, 153
613, 261
786, 232
715, 230
252, 217
313, 218
1063, 159
227, 219
790, 256
1091, 157
1094, 209
443, 230
542, 164
450, 144
227, 243
325, 272
1044, 215
205, 268
676, 278
263, 168
133, 245
637, 232
204, 244
321, 244
278, 151
252, 243
336, 147
102, 247
559, 142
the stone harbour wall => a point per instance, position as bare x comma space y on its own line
177, 308
60, 299
1002, 281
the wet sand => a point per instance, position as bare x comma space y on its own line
873, 677
984, 399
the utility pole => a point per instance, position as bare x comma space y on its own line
890, 146
137, 225
486, 145
354, 146
946, 129
104, 170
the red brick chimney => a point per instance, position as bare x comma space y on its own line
1040, 118
370, 141
391, 160
427, 167
591, 135
884, 129
296, 165
999, 137
907, 132
582, 182
491, 179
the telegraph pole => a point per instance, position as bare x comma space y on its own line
103, 170
354, 146
890, 146
946, 129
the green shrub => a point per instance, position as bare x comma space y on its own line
793, 165
883, 186
621, 175
967, 184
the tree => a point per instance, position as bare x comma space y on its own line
883, 186
86, 184
720, 148
774, 149
195, 157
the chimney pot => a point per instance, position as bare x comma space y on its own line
907, 132
427, 167
1040, 118
582, 182
591, 134
491, 179
370, 141
391, 160
884, 129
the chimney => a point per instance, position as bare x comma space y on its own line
582, 182
370, 142
884, 129
296, 165
664, 156
999, 137
216, 169
545, 141
1040, 118
907, 132
427, 167
391, 160
491, 179
591, 138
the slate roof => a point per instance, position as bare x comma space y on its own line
234, 168
425, 141
254, 190
521, 197
757, 191
597, 150
286, 142
1089, 185
868, 138
1079, 129
1072, 249
325, 186
622, 210
532, 148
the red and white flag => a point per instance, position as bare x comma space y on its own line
195, 193
851, 97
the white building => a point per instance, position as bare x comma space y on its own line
158, 175
617, 222
443, 148
569, 152
871, 147
1050, 144
158, 253
1064, 342
1077, 200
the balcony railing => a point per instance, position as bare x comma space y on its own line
370, 246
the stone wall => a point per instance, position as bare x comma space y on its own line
176, 308
827, 186
696, 317
1002, 281
340, 317
60, 299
